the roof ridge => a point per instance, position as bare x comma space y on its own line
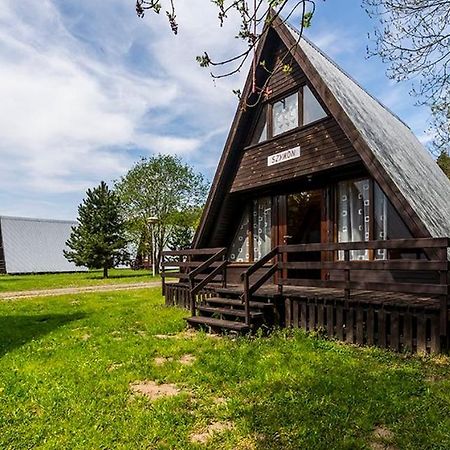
344, 72
35, 219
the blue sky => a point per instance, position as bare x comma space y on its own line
86, 90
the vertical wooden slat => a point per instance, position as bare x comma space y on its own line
395, 331
320, 317
303, 315
435, 338
330, 318
312, 316
370, 326
421, 333
339, 321
349, 324
381, 328
407, 332
295, 311
360, 325
288, 311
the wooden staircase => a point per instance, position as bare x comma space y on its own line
225, 312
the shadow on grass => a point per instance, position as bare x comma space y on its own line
16, 331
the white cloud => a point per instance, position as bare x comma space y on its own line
79, 102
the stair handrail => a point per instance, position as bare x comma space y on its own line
245, 276
193, 288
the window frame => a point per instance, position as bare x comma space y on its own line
268, 106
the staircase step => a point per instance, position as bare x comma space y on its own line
229, 312
218, 323
237, 303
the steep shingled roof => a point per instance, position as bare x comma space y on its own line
408, 164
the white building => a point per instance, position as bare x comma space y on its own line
34, 245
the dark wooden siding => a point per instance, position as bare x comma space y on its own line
323, 146
282, 82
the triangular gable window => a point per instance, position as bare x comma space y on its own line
260, 133
312, 110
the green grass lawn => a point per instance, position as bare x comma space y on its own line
10, 283
66, 365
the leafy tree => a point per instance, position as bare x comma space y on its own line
160, 187
413, 37
98, 241
444, 162
183, 231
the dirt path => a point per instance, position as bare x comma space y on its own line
77, 290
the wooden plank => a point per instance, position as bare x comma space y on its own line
392, 264
288, 311
360, 325
421, 333
407, 331
435, 338
396, 244
370, 326
312, 316
381, 285
320, 315
196, 251
303, 310
394, 331
381, 316
295, 314
330, 318
340, 321
349, 326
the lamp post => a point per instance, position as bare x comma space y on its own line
152, 221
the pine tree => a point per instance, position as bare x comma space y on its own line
98, 241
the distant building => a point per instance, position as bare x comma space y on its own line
34, 245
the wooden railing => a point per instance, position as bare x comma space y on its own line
426, 275
194, 270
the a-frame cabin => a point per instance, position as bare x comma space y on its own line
325, 212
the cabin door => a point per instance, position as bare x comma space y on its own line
303, 226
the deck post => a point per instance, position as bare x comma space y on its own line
247, 298
347, 277
444, 304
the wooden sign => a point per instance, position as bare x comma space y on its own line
286, 155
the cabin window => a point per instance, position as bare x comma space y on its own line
253, 239
285, 114
260, 133
262, 227
359, 218
240, 250
353, 214
312, 110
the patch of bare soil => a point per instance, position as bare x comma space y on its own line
188, 359
153, 391
206, 434
382, 437
160, 360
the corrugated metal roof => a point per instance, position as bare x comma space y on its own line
36, 245
406, 161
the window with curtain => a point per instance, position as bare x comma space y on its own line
239, 250
285, 114
355, 215
353, 212
262, 227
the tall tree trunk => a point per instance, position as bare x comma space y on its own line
105, 272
